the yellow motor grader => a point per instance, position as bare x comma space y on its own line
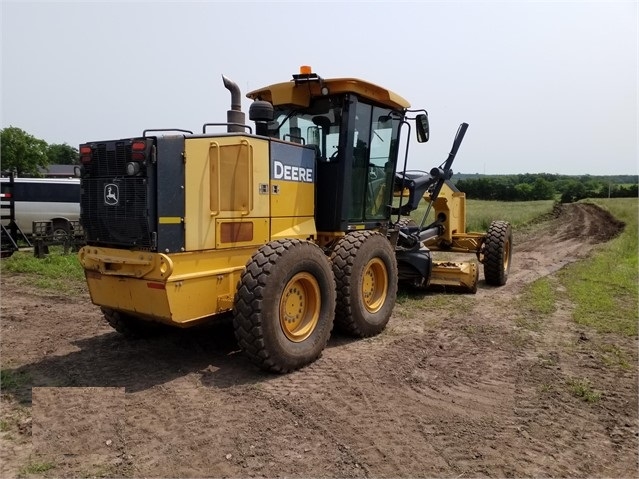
291, 224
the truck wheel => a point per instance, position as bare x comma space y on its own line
365, 271
60, 230
285, 305
497, 250
130, 326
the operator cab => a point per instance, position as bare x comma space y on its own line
354, 128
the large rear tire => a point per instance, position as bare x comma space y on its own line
497, 250
130, 326
365, 271
285, 305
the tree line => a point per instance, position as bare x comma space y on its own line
26, 155
545, 186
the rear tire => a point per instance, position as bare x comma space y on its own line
365, 271
497, 250
130, 326
285, 305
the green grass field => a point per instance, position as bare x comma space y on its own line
604, 288
57, 271
479, 214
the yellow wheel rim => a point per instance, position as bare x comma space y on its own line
506, 255
300, 307
374, 285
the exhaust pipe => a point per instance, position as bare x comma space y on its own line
234, 117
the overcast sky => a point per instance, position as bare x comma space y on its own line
545, 86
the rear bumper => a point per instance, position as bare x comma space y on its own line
179, 290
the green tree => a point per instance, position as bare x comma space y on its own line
575, 191
524, 191
62, 154
21, 152
542, 189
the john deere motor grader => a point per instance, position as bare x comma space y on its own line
290, 228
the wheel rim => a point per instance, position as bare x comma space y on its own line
300, 307
60, 234
374, 285
506, 255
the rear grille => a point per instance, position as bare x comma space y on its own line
115, 207
109, 159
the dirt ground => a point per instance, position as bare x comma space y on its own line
457, 386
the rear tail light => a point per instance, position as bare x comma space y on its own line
85, 154
138, 150
138, 145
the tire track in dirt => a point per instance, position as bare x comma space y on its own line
459, 400
357, 419
571, 235
412, 402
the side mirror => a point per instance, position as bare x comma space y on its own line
421, 127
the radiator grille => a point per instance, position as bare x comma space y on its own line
114, 207
109, 159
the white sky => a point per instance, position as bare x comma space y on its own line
545, 86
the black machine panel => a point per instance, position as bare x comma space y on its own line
117, 209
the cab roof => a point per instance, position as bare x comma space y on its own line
299, 93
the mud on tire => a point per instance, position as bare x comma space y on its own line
285, 305
497, 252
365, 271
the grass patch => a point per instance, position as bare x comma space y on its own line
546, 388
59, 272
540, 297
479, 213
582, 388
528, 322
517, 213
35, 467
11, 380
537, 301
604, 288
4, 425
612, 355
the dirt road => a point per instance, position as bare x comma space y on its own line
456, 386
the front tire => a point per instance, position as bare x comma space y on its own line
497, 250
285, 305
365, 271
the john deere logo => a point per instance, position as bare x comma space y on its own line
111, 194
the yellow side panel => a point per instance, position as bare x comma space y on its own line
452, 204
301, 228
226, 177
292, 199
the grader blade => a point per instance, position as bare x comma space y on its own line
456, 276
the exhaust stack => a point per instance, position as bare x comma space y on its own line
234, 117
